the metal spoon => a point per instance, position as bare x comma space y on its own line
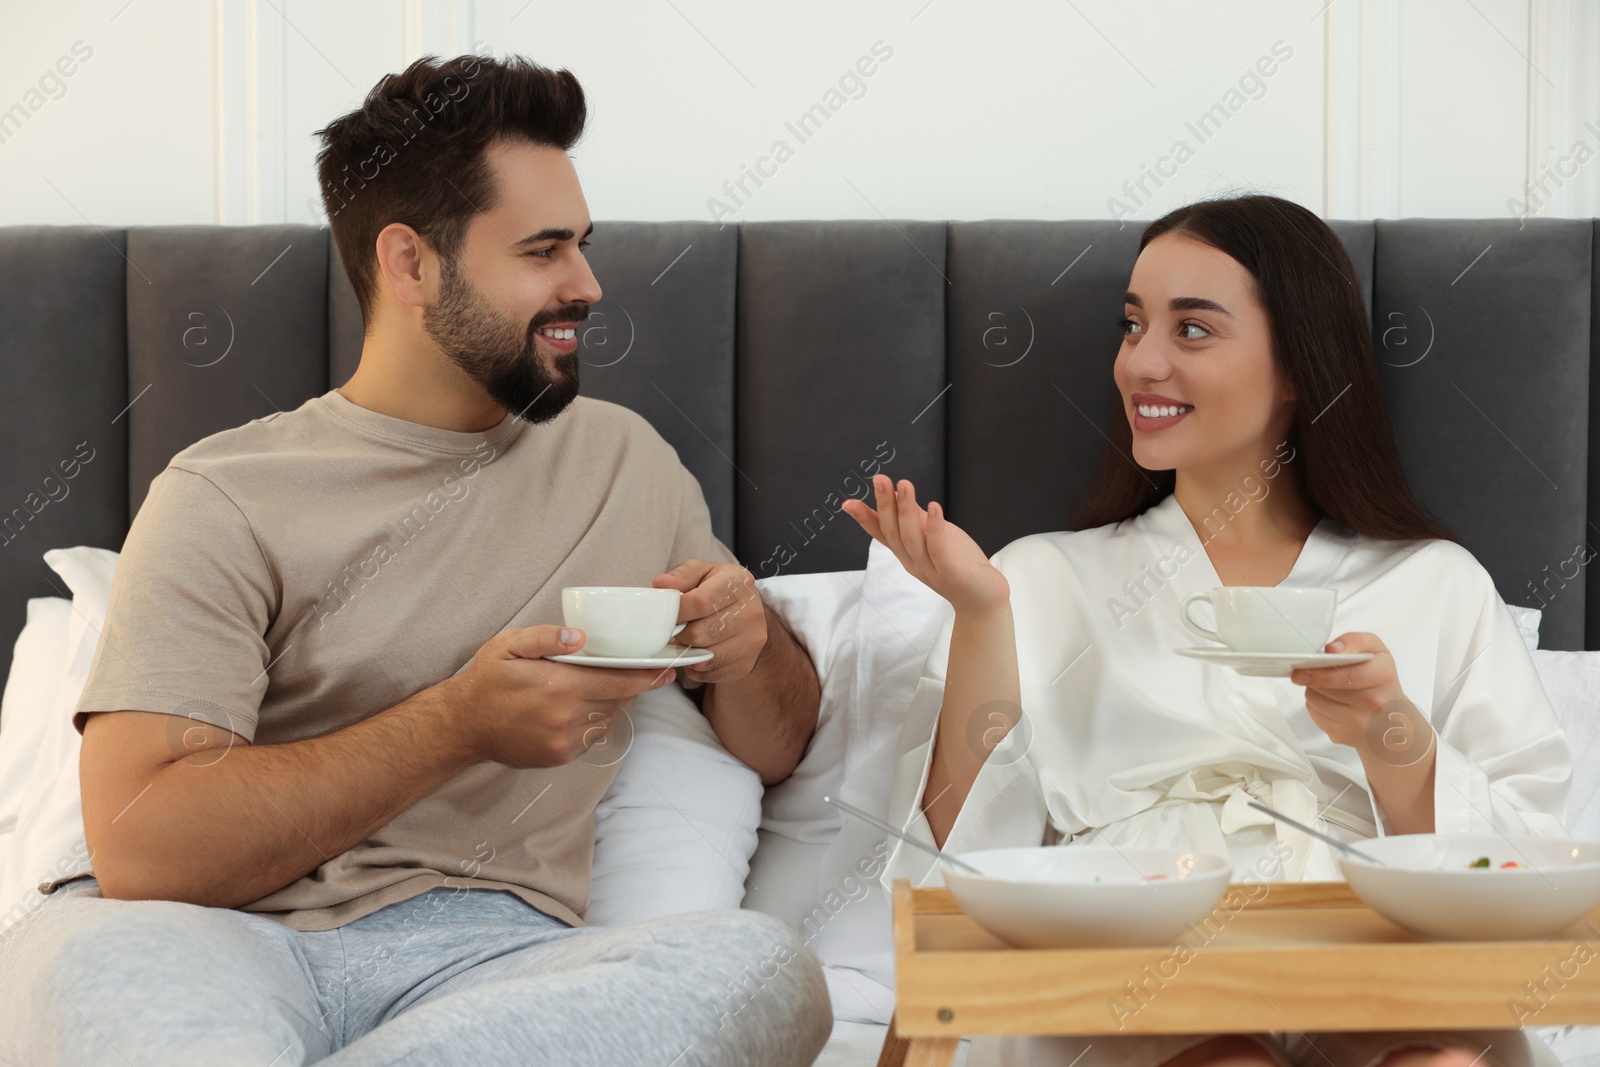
850, 809
1318, 834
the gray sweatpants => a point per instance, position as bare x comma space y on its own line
471, 977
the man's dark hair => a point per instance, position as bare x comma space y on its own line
414, 151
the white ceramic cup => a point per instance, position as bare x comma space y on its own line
622, 620
1266, 618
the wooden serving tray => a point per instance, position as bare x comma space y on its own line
1275, 956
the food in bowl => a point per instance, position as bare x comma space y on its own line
1088, 895
1434, 885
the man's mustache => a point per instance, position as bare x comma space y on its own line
574, 313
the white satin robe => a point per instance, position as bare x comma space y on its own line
1125, 742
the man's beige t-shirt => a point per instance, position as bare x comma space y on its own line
314, 567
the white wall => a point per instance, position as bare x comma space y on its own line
203, 111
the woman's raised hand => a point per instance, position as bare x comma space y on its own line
936, 552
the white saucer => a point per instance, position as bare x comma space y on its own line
670, 656
1273, 664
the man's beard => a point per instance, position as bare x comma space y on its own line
497, 354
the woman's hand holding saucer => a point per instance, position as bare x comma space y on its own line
1362, 705
932, 549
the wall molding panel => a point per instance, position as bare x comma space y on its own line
250, 83
1430, 108
1361, 107
1563, 164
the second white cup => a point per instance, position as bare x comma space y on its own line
622, 620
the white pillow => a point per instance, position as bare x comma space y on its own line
796, 826
1572, 682
36, 664
899, 620
48, 842
675, 831
1527, 620
816, 868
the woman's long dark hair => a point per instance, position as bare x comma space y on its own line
1345, 460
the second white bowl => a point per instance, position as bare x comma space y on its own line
1088, 895
1429, 886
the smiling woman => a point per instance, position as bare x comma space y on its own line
1306, 327
1245, 342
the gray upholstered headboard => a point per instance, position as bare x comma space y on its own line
779, 358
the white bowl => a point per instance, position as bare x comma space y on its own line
1088, 895
1429, 887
